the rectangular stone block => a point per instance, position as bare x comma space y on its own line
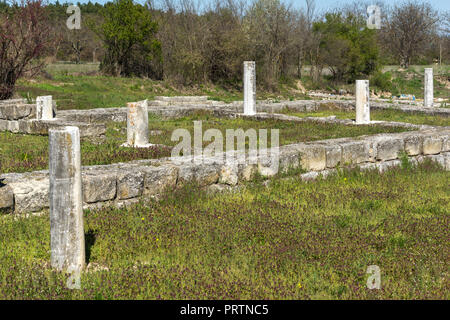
414, 144
13, 126
99, 186
432, 145
389, 148
289, 158
354, 152
130, 183
3, 125
159, 179
16, 111
6, 199
333, 155
31, 195
39, 127
24, 126
313, 157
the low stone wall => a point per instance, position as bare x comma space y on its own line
40, 127
17, 111
347, 105
179, 110
123, 183
19, 117
330, 120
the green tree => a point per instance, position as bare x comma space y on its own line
347, 47
128, 33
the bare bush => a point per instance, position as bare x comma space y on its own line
24, 37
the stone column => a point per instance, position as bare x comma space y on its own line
44, 108
362, 101
66, 211
137, 124
428, 88
249, 88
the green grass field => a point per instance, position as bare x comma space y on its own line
21, 152
81, 87
288, 240
293, 240
380, 115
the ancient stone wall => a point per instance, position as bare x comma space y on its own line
123, 183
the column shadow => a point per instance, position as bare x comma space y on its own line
89, 240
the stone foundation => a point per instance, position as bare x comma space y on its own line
122, 183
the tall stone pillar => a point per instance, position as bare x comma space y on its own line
249, 88
362, 101
137, 124
428, 88
66, 211
44, 108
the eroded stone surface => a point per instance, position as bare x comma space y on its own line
6, 198
65, 199
99, 187
414, 144
159, 179
312, 156
30, 194
432, 145
229, 175
130, 184
354, 152
388, 148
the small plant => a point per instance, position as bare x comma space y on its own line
29, 99
404, 159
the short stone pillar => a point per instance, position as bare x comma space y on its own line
44, 108
137, 124
66, 211
428, 88
249, 88
362, 101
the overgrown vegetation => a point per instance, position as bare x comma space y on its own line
24, 37
186, 44
347, 47
128, 33
293, 240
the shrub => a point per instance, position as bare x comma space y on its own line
128, 34
382, 81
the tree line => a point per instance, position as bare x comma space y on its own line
185, 43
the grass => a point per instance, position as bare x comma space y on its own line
397, 81
81, 87
20, 152
384, 115
293, 240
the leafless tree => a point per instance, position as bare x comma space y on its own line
408, 27
24, 36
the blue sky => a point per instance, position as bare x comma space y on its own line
320, 4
